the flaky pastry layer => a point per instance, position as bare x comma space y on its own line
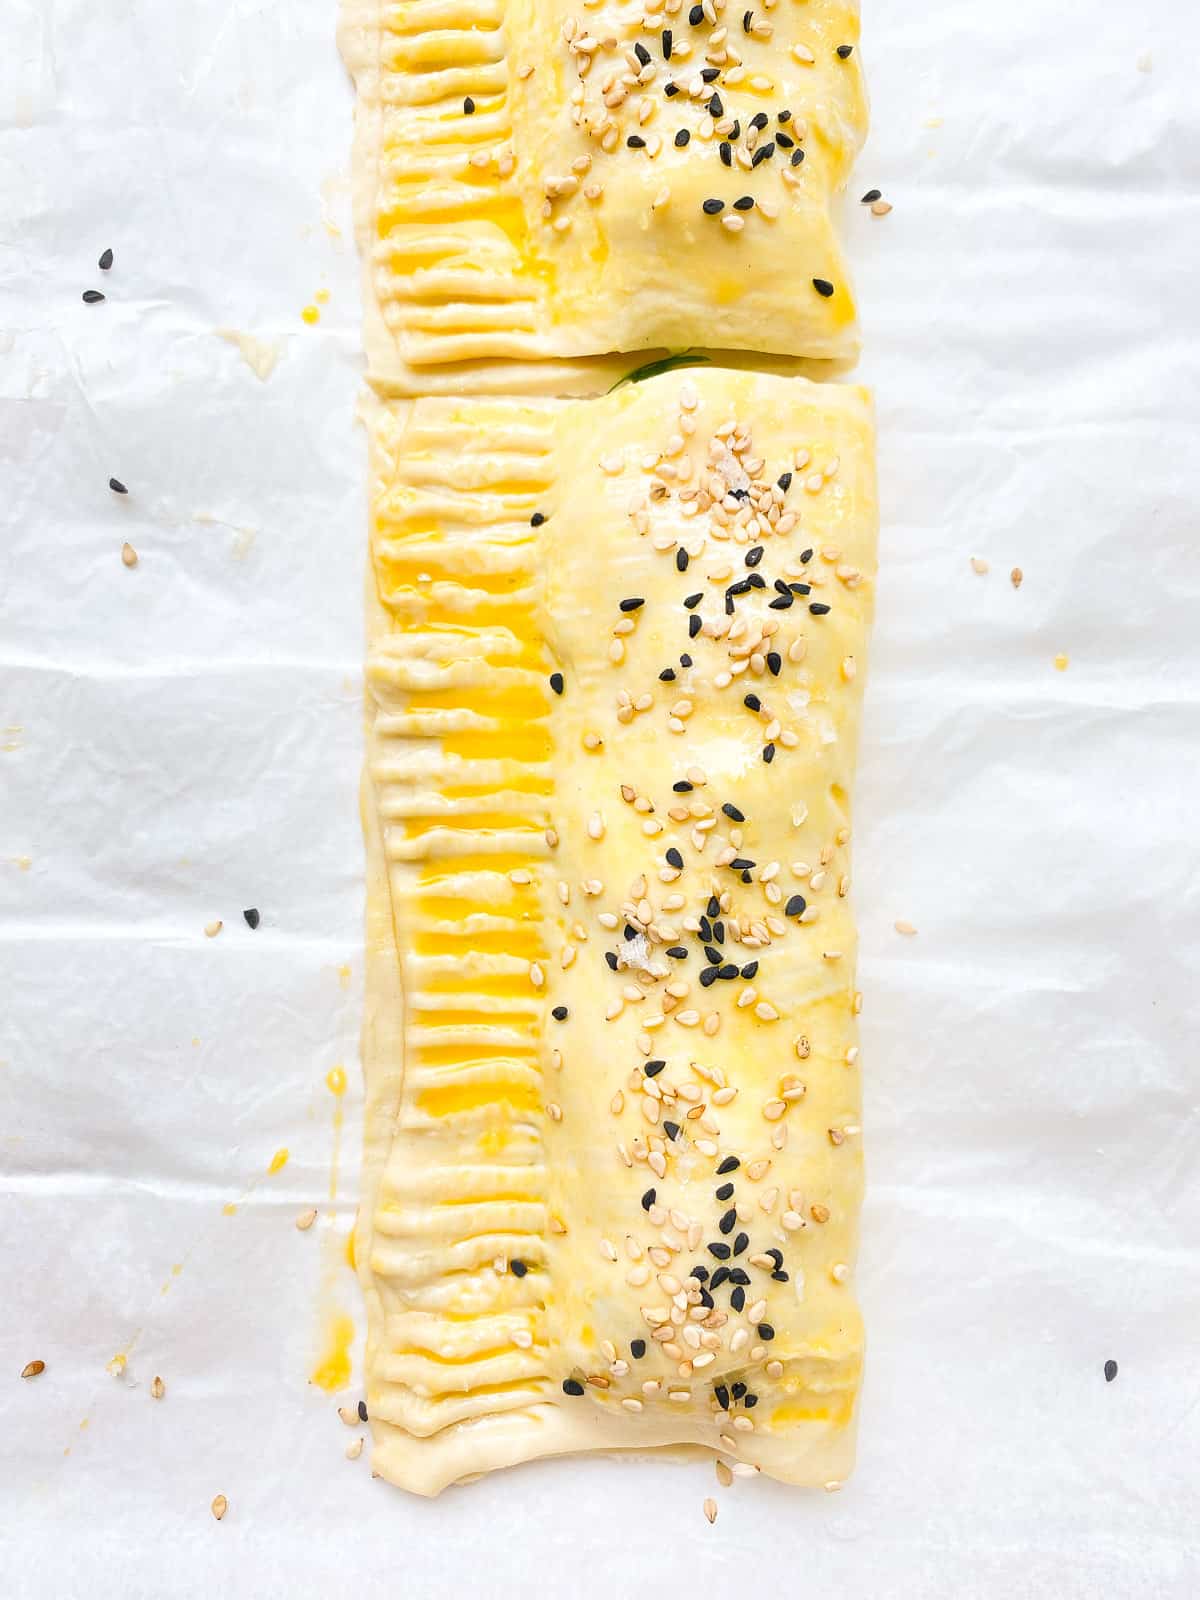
613, 1174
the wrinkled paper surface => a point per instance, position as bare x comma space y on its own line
181, 741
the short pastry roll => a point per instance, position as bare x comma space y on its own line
564, 178
613, 1149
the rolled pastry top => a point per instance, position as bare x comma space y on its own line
553, 178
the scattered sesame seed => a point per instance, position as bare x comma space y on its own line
157, 1388
129, 555
845, 51
33, 1369
305, 1220
823, 287
537, 519
1110, 1371
881, 208
557, 682
518, 1270
710, 1509
713, 208
219, 1506
106, 260
1016, 577
572, 1386
117, 486
905, 928
870, 197
468, 107
252, 917
92, 297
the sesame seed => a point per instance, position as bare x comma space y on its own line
537, 519
768, 754
819, 608
674, 858
468, 107
666, 44
632, 605
905, 928
572, 1386
92, 297
713, 208
870, 197
1110, 1371
823, 287
725, 151
796, 906
797, 157
252, 917
766, 1332
117, 486
105, 261
33, 1369
845, 51
557, 682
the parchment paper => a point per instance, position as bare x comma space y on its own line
181, 743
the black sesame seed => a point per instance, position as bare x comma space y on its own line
719, 932
745, 877
871, 196
753, 557
782, 604
713, 908
708, 976
795, 906
736, 131
693, 600
682, 787
713, 954
806, 556
715, 108
785, 481
560, 1013
642, 53
671, 90
636, 142
252, 917
362, 1404
768, 753
725, 151
819, 608
106, 260
741, 863
117, 486
630, 932
699, 1272
763, 153
730, 1164
681, 556
720, 1276
716, 1248
845, 51
537, 519
800, 588
671, 1129
677, 952
572, 1386
728, 604
728, 1220
752, 702
611, 957
823, 287
92, 297
667, 675
750, 1402
685, 661
779, 1277
696, 16
653, 1068
517, 1268
750, 969
737, 1298
759, 120
705, 929
785, 141
784, 116
732, 812
557, 682
695, 623
742, 1242
637, 1348
729, 970
774, 663
632, 605
746, 19
739, 1275
1110, 1371
710, 74
722, 1394
744, 202
681, 138
766, 1332
667, 42
725, 1191
797, 157
713, 208
648, 1199
674, 859
756, 581
775, 1255
469, 106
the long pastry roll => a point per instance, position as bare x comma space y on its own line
564, 178
613, 1154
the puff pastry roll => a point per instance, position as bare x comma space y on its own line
565, 178
613, 1156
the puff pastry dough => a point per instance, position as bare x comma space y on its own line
613, 1171
566, 178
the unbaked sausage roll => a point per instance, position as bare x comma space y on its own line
613, 1154
564, 178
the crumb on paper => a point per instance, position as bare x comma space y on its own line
116, 1367
1145, 62
305, 1220
212, 929
242, 543
219, 1506
724, 1476
978, 564
355, 1448
260, 355
710, 1509
129, 555
905, 928
33, 1369
1061, 663
157, 1389
934, 122
1016, 577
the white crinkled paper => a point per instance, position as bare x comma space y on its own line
180, 741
